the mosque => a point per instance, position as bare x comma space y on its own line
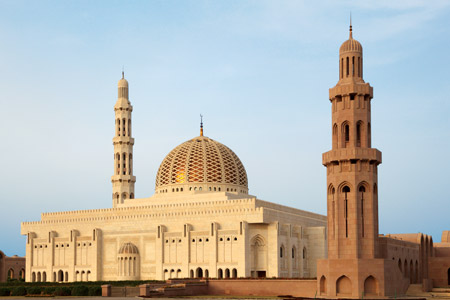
202, 221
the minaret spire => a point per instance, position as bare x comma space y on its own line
351, 33
201, 125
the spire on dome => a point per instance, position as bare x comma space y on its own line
123, 72
351, 33
201, 125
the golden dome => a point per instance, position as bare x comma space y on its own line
350, 45
128, 248
201, 164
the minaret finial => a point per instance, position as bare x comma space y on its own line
123, 72
201, 125
351, 34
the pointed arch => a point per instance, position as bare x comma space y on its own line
10, 273
411, 272
258, 254
371, 286
323, 285
345, 134
343, 286
345, 195
360, 134
335, 136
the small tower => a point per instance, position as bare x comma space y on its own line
354, 265
123, 179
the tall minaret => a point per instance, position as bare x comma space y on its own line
352, 200
123, 179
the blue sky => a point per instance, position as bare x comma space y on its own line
259, 72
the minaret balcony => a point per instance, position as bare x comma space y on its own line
123, 140
346, 154
123, 178
352, 87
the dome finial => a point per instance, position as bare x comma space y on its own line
201, 125
351, 34
123, 72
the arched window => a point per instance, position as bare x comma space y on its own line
118, 163
22, 274
359, 66
130, 163
10, 274
369, 137
335, 136
124, 170
123, 127
348, 67
234, 273
118, 127
33, 277
346, 190
281, 252
192, 273
353, 66
206, 273
347, 133
227, 273
342, 68
129, 127
44, 277
220, 274
362, 190
332, 210
358, 134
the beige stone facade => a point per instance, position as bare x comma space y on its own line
201, 222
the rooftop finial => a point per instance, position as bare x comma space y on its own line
123, 72
201, 125
351, 34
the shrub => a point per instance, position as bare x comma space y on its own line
34, 290
80, 290
5, 292
19, 291
50, 290
95, 291
62, 291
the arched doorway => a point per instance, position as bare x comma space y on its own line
44, 277
227, 273
191, 274
343, 286
199, 273
206, 273
258, 254
60, 276
370, 286
323, 285
39, 277
234, 273
220, 274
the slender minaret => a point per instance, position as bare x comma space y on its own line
123, 179
352, 199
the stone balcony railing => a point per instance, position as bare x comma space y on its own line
344, 154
